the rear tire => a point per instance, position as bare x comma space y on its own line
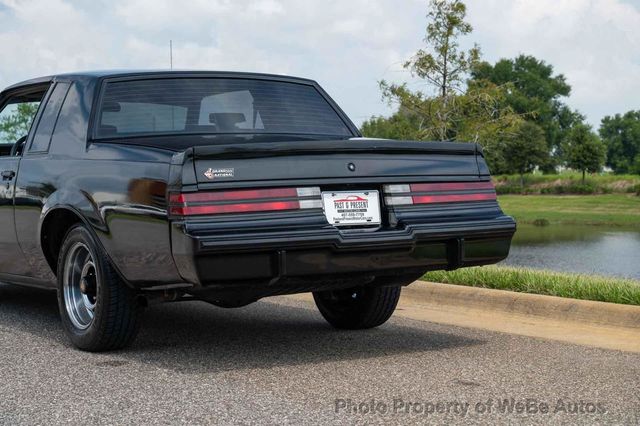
99, 312
358, 307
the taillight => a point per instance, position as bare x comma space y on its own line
244, 201
430, 193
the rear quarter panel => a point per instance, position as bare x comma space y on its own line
118, 190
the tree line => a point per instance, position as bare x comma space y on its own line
514, 108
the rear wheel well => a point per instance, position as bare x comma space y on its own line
54, 229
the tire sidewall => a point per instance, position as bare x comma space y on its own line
348, 319
373, 308
83, 338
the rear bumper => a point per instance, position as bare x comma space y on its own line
270, 257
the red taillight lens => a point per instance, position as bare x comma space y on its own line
450, 186
430, 193
244, 201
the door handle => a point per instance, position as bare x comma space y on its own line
8, 174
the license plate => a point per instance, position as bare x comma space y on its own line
352, 208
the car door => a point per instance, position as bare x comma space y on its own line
18, 110
34, 184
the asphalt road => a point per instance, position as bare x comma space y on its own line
278, 362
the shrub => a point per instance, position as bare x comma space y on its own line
508, 189
567, 182
571, 188
582, 189
558, 189
541, 222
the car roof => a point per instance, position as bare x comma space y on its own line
100, 74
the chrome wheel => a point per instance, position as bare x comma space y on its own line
80, 286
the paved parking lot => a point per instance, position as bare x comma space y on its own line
278, 362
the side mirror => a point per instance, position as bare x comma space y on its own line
18, 147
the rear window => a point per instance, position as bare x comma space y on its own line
216, 106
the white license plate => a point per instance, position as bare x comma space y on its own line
352, 208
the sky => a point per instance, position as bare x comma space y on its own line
345, 45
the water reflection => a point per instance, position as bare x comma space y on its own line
576, 248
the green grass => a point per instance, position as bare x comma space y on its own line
575, 286
606, 209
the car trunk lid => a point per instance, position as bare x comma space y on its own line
332, 159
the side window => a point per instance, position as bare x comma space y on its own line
15, 120
47, 122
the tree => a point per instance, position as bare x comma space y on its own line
402, 125
584, 151
525, 150
450, 111
477, 115
536, 88
17, 123
621, 135
536, 96
444, 65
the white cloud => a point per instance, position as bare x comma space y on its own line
346, 45
595, 44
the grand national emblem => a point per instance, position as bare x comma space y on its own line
211, 173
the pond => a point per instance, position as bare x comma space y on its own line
610, 251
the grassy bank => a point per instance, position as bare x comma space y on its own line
524, 280
608, 209
567, 183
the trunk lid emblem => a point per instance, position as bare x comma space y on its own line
212, 173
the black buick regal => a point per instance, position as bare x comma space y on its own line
131, 188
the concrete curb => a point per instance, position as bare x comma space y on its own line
551, 307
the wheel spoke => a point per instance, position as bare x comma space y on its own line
80, 286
